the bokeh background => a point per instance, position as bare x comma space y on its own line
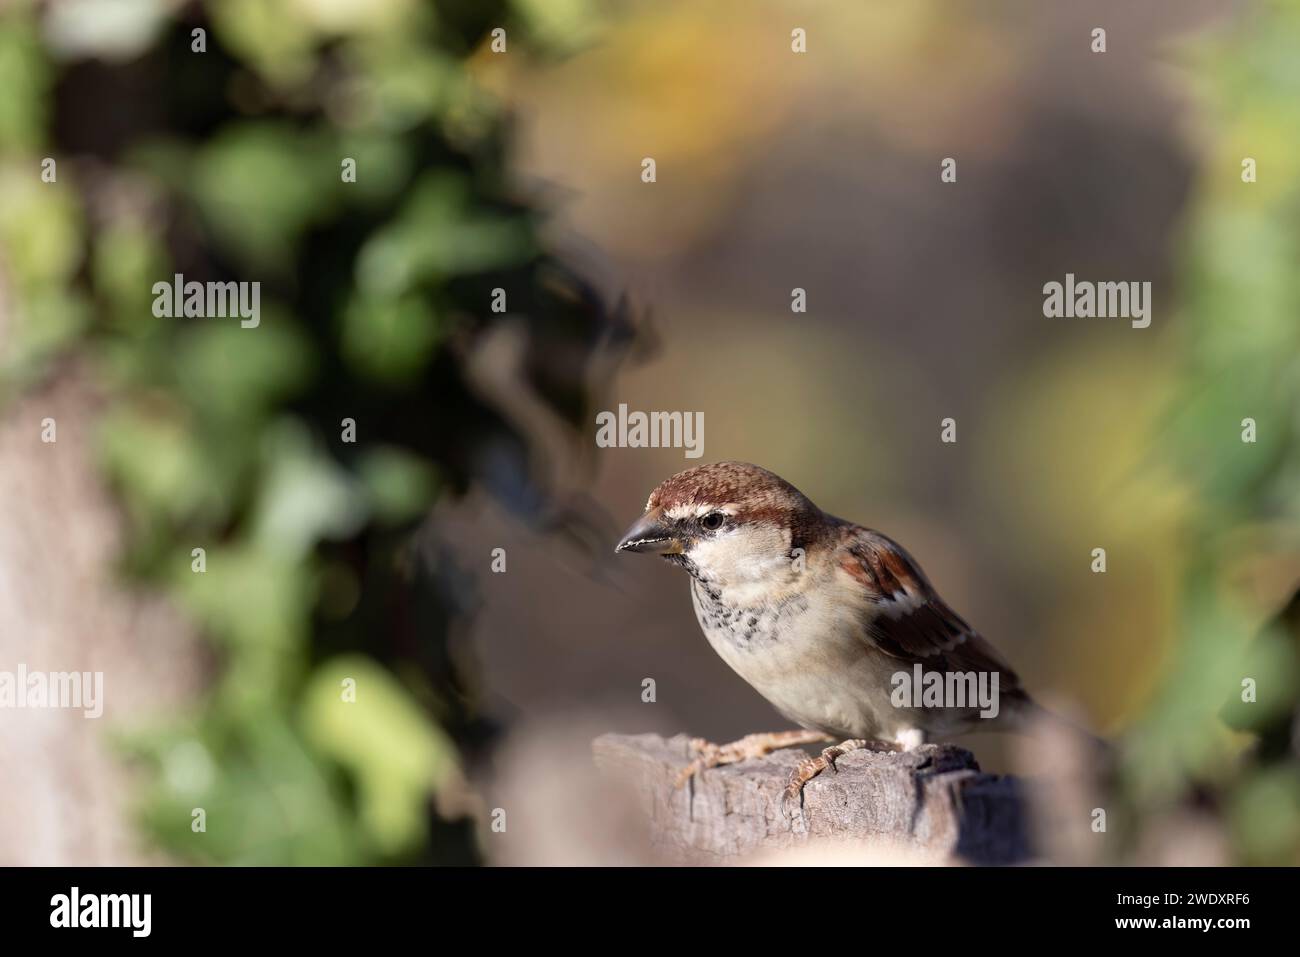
520, 170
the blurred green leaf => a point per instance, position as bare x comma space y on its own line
264, 798
1265, 815
233, 373
389, 339
398, 757
254, 600
437, 235
258, 186
401, 486
25, 77
305, 496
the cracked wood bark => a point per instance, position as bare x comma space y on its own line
932, 805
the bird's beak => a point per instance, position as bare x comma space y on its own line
650, 534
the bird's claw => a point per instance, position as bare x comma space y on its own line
710, 755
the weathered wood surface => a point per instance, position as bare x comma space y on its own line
932, 805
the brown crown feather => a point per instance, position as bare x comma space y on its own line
757, 494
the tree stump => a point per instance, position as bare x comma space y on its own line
931, 805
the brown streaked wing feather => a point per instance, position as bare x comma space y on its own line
911, 622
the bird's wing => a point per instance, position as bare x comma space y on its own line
907, 619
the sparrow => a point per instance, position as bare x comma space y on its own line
821, 617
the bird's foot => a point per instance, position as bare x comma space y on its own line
711, 755
809, 769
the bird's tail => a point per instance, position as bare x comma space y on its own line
1031, 717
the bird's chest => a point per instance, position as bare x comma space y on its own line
740, 631
801, 653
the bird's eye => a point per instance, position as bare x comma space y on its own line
713, 521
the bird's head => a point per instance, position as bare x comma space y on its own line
730, 522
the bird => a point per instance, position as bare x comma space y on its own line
832, 622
